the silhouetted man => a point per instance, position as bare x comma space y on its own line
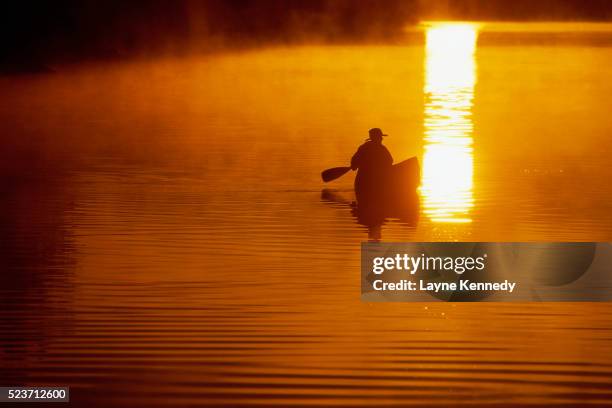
374, 162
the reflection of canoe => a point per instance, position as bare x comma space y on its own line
374, 217
390, 189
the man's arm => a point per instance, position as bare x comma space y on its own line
356, 159
388, 157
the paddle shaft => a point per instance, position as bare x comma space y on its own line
334, 173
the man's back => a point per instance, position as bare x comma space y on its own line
371, 156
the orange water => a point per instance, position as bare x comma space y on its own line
164, 234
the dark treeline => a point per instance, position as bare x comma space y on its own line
517, 10
72, 29
35, 33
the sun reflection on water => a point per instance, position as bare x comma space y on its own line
450, 76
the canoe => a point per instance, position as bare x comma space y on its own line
394, 188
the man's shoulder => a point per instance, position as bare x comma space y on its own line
368, 145
373, 146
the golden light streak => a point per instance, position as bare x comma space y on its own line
450, 77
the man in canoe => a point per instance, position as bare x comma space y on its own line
373, 162
372, 154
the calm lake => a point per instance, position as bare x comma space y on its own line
166, 240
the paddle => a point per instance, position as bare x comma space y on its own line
334, 173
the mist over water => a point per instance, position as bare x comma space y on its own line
165, 234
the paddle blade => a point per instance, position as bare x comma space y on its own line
334, 173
